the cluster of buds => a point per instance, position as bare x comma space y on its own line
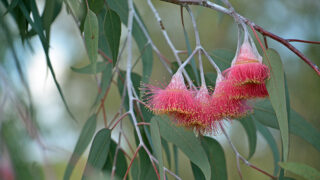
201, 110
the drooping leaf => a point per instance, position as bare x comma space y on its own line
302, 170
277, 94
216, 158
112, 30
176, 158
166, 149
265, 114
96, 5
105, 82
272, 144
103, 44
91, 36
88, 69
121, 164
156, 140
82, 143
50, 12
12, 5
37, 26
186, 141
251, 132
98, 153
197, 174
121, 7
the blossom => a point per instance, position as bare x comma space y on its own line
175, 98
245, 91
200, 120
223, 105
247, 67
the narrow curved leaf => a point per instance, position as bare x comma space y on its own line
88, 69
121, 164
272, 144
302, 170
96, 5
156, 140
277, 94
251, 131
186, 141
112, 30
82, 143
105, 82
98, 152
91, 36
37, 26
216, 158
166, 149
265, 114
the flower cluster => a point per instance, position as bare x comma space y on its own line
200, 109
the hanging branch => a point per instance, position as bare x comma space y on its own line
262, 31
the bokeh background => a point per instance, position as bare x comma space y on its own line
50, 147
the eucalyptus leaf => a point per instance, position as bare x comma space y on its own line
250, 128
82, 143
91, 36
187, 143
88, 69
156, 140
277, 94
98, 152
112, 30
302, 170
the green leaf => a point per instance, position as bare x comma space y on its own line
121, 164
272, 144
96, 5
36, 25
176, 159
277, 94
302, 170
265, 114
88, 69
186, 141
12, 5
82, 143
105, 82
197, 174
91, 36
166, 149
121, 7
216, 158
50, 12
156, 140
99, 152
112, 30
251, 131
103, 43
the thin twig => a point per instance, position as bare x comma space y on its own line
132, 159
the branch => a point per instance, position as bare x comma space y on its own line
230, 12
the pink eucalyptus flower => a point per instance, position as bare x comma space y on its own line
245, 91
247, 67
175, 98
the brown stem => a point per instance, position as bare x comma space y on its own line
134, 156
104, 55
120, 118
303, 41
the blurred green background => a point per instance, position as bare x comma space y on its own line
50, 144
